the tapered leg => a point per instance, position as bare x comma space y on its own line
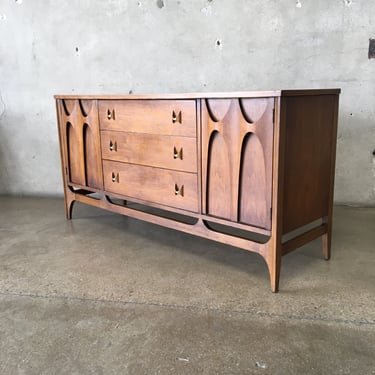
326, 242
326, 238
69, 202
274, 271
275, 277
273, 260
69, 209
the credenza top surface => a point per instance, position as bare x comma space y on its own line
204, 95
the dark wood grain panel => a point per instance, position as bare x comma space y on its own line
310, 133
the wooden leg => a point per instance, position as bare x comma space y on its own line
69, 202
69, 209
275, 277
275, 274
326, 238
273, 260
326, 242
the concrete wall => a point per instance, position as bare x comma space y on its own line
114, 46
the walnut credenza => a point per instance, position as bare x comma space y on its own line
251, 169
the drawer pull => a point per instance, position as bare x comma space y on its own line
112, 146
176, 117
179, 190
177, 154
115, 177
110, 115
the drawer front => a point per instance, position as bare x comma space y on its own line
164, 117
171, 152
162, 186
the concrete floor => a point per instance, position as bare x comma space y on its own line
105, 294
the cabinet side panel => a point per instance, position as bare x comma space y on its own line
61, 126
309, 153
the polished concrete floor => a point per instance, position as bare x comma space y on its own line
105, 294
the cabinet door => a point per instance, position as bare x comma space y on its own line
237, 144
80, 143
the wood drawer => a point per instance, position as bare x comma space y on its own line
171, 152
164, 117
162, 186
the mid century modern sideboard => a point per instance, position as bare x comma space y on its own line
251, 169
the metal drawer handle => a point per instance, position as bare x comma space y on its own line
176, 117
178, 154
179, 190
112, 146
110, 114
115, 177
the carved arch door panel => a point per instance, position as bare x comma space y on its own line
79, 132
237, 141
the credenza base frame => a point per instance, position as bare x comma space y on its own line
271, 251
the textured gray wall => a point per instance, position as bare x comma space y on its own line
113, 46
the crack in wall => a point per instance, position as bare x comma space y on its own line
2, 111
